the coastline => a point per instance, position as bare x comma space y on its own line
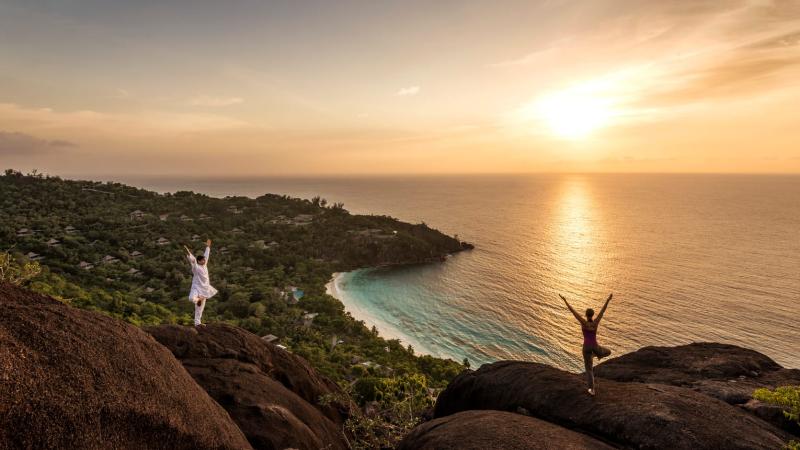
335, 289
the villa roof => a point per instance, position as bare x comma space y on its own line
270, 338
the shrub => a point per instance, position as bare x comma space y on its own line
393, 406
787, 397
14, 272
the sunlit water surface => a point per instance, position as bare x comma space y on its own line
688, 257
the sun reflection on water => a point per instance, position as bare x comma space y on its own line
576, 234
574, 266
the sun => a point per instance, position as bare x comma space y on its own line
573, 113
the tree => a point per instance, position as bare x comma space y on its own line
13, 272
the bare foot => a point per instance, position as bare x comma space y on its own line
591, 392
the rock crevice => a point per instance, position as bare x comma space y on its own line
273, 395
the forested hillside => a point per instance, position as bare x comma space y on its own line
118, 249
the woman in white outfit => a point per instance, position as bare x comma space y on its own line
201, 286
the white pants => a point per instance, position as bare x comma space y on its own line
199, 305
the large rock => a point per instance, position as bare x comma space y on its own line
274, 396
639, 415
727, 372
722, 371
71, 378
498, 430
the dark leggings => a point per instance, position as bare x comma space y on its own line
589, 352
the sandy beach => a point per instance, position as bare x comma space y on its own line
335, 288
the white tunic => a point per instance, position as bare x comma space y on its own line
201, 285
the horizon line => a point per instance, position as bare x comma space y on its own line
183, 176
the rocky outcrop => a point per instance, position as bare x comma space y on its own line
723, 371
273, 395
727, 372
71, 378
637, 415
497, 430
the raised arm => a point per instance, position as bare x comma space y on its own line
189, 255
602, 311
572, 310
207, 253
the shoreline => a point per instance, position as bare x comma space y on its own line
385, 331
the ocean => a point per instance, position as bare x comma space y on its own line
688, 258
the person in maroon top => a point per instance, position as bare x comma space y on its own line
591, 348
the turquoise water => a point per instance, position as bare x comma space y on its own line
449, 328
688, 257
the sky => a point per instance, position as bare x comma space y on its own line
251, 88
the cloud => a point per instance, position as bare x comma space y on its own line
408, 91
15, 143
61, 143
627, 159
616, 30
782, 40
534, 56
143, 123
208, 100
751, 68
683, 56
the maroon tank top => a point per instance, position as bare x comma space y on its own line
589, 336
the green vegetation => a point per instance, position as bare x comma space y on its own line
17, 271
393, 406
787, 397
117, 249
